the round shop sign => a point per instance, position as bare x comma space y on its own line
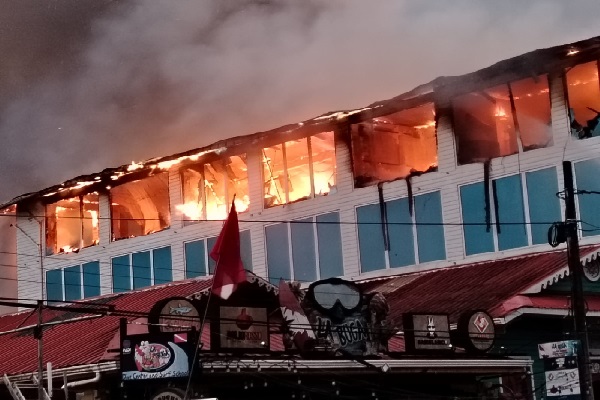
478, 331
169, 394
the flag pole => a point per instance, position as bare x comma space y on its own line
203, 320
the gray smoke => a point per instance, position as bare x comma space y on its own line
89, 84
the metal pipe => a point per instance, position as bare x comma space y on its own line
95, 379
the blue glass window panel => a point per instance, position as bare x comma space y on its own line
400, 231
73, 283
195, 259
54, 285
278, 255
162, 265
246, 249
587, 176
210, 243
91, 279
472, 200
370, 238
303, 250
121, 274
511, 213
329, 239
544, 205
430, 228
141, 269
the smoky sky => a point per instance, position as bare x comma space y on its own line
91, 84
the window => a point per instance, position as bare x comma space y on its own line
394, 146
412, 238
142, 269
141, 207
503, 120
73, 283
305, 250
586, 173
299, 169
72, 224
583, 92
517, 217
199, 263
209, 188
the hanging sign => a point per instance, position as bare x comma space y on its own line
426, 332
476, 331
344, 320
243, 328
561, 371
173, 315
156, 356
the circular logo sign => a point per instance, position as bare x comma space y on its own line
174, 315
591, 270
481, 331
169, 394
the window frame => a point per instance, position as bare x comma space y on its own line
152, 278
525, 198
414, 231
315, 231
285, 185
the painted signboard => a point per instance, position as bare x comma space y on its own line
156, 356
561, 371
243, 328
344, 320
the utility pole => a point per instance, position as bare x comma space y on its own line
576, 272
40, 358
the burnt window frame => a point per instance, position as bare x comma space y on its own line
285, 185
361, 181
567, 99
47, 217
513, 112
243, 155
111, 211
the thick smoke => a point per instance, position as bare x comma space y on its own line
92, 84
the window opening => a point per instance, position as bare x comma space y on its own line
299, 169
394, 146
209, 188
141, 207
72, 224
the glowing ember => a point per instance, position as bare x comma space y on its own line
429, 124
500, 113
134, 166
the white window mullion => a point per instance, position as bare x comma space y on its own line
151, 267
316, 240
525, 195
62, 285
130, 271
290, 254
414, 231
493, 221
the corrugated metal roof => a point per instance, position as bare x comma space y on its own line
483, 285
83, 342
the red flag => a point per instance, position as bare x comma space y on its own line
229, 271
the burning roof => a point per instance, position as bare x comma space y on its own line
440, 89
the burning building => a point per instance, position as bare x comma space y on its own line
460, 170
